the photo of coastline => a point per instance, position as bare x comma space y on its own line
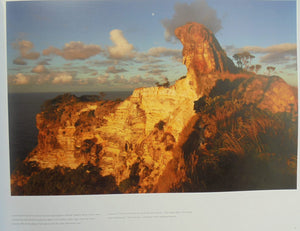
112, 97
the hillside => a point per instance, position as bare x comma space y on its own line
217, 129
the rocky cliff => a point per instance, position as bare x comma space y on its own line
151, 139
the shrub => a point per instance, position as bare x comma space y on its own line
85, 179
160, 125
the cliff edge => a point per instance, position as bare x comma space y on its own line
155, 140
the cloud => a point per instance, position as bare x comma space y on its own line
153, 69
175, 54
62, 78
177, 59
25, 49
74, 50
156, 71
19, 61
153, 54
132, 82
54, 77
276, 58
284, 47
114, 70
81, 69
92, 81
163, 51
276, 54
231, 49
39, 69
139, 80
144, 68
45, 62
31, 55
19, 79
102, 79
122, 49
83, 81
146, 58
198, 11
120, 79
103, 62
94, 73
44, 79
292, 66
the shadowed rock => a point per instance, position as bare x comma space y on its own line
159, 140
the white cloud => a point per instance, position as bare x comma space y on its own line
198, 11
122, 49
62, 78
21, 79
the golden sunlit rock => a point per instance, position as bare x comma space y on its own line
148, 134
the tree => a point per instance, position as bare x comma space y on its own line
165, 84
257, 68
237, 58
270, 69
243, 59
251, 68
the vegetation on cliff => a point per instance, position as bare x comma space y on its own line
239, 146
233, 145
213, 130
85, 179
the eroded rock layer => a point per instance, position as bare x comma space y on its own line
146, 133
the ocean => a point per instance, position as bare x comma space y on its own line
22, 110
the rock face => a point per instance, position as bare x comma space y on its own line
148, 130
202, 52
143, 129
202, 55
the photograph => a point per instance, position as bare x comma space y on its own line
147, 97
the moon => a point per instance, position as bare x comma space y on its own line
153, 14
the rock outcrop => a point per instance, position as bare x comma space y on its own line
203, 56
147, 131
201, 51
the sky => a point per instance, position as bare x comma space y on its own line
120, 45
